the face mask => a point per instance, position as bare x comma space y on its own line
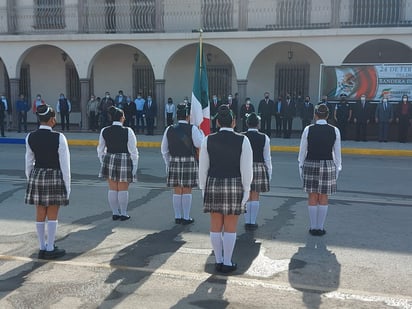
107, 97
306, 101
230, 98
61, 97
404, 99
38, 98
139, 97
266, 97
363, 99
128, 100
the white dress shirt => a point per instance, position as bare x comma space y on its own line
336, 149
246, 163
64, 158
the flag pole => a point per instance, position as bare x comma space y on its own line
200, 49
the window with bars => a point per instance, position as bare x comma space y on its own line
143, 15
292, 14
217, 15
73, 87
376, 12
292, 79
49, 14
24, 86
219, 80
143, 80
110, 16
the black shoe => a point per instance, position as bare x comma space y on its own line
56, 253
41, 254
253, 226
115, 217
178, 220
321, 232
228, 268
188, 221
313, 232
247, 226
218, 267
124, 218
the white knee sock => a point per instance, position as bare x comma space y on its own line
217, 244
51, 234
247, 213
113, 201
254, 211
322, 211
186, 205
229, 240
41, 233
123, 197
313, 217
177, 205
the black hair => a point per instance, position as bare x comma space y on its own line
44, 112
252, 120
181, 111
322, 111
115, 113
224, 116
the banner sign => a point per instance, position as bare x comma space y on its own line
374, 81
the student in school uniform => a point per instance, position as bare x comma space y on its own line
118, 156
48, 175
225, 175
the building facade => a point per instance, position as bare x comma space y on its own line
84, 47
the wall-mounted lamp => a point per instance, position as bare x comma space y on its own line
64, 56
136, 57
379, 54
290, 54
209, 57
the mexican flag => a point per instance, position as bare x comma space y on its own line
199, 111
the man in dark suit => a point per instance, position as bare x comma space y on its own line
361, 118
288, 111
342, 116
214, 105
306, 112
278, 117
266, 110
383, 117
150, 113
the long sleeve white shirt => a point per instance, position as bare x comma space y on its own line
246, 163
64, 159
336, 149
131, 145
197, 138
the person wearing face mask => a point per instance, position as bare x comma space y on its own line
170, 112
245, 110
361, 118
288, 112
139, 101
129, 108
120, 100
36, 103
48, 179
92, 111
306, 112
266, 110
8, 112
225, 177
3, 110
403, 117
383, 117
150, 113
214, 105
64, 108
232, 102
342, 115
105, 104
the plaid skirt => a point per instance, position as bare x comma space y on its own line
183, 172
117, 167
319, 176
223, 195
260, 181
46, 187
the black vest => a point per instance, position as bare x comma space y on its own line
257, 141
45, 145
179, 138
116, 138
224, 148
321, 139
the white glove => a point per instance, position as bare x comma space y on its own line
134, 170
203, 194
337, 174
301, 172
245, 197
101, 159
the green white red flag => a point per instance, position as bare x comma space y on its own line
199, 110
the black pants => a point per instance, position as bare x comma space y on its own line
150, 125
278, 120
361, 131
22, 120
287, 127
139, 121
2, 123
266, 125
403, 128
342, 124
169, 119
93, 121
65, 120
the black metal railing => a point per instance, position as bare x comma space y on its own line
142, 16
